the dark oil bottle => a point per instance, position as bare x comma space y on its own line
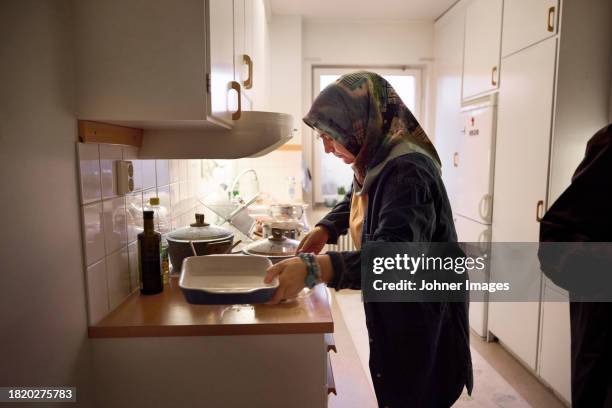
149, 259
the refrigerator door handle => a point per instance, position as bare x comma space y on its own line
484, 207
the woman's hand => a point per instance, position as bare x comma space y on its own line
314, 241
291, 275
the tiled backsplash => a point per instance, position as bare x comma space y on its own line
111, 222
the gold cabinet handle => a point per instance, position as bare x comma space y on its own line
550, 21
539, 211
456, 159
248, 83
236, 86
494, 76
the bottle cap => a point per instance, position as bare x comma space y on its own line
154, 201
147, 215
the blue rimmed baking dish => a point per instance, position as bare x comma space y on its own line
226, 280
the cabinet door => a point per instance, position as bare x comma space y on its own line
221, 53
555, 363
449, 62
482, 47
526, 22
478, 235
521, 175
474, 161
141, 61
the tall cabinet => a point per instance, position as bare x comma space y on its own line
554, 95
553, 83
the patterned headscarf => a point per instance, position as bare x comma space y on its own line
364, 114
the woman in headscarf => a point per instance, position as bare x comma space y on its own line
419, 352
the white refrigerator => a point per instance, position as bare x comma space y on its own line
469, 180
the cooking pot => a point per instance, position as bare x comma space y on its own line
276, 248
206, 239
289, 229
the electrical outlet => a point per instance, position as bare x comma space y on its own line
125, 177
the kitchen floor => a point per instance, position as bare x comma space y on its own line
499, 379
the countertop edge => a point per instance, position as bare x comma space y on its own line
101, 332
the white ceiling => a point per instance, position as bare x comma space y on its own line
362, 9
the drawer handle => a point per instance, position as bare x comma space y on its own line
248, 83
456, 159
539, 211
494, 76
236, 86
550, 21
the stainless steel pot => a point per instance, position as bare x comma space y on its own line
206, 240
276, 248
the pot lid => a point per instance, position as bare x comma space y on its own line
276, 245
200, 231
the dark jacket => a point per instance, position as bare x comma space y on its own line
583, 214
419, 352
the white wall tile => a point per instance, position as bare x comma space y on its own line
163, 220
115, 224
89, 171
183, 170
118, 277
174, 199
194, 169
131, 153
162, 170
133, 265
134, 208
148, 174
97, 292
93, 232
109, 154
174, 171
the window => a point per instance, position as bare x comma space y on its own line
330, 173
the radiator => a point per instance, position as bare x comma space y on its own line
345, 243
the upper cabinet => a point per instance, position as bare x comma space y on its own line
526, 22
483, 21
176, 67
224, 85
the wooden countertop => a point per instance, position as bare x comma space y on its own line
168, 314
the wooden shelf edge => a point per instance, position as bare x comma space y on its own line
98, 132
330, 342
331, 384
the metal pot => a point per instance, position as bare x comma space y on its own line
276, 248
289, 229
203, 238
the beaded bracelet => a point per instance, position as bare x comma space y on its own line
313, 272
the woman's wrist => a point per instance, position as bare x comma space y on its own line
326, 268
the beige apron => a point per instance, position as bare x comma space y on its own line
359, 206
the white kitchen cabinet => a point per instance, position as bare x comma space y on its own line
174, 70
526, 22
521, 175
473, 161
523, 142
147, 61
479, 237
555, 344
224, 90
449, 32
483, 23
